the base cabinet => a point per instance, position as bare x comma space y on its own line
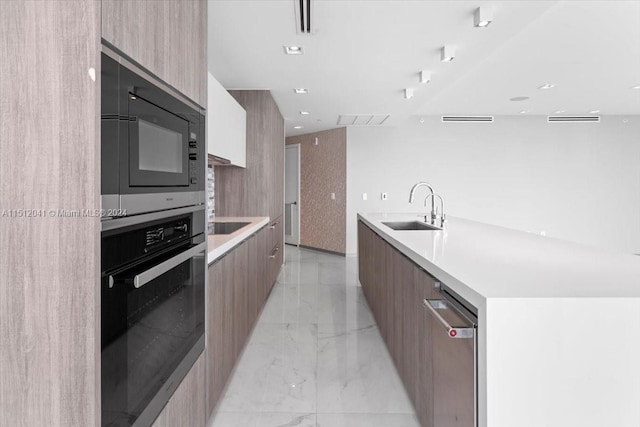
186, 407
395, 289
239, 283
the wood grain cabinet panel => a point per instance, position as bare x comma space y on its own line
395, 289
424, 288
264, 263
186, 408
49, 266
220, 332
239, 283
257, 190
253, 279
167, 37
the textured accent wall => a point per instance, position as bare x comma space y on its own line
323, 170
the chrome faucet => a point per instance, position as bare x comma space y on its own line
434, 213
433, 202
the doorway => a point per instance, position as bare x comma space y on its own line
292, 194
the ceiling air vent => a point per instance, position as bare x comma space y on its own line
361, 119
568, 119
304, 16
468, 119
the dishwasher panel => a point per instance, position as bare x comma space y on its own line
454, 362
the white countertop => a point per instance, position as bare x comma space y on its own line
482, 261
219, 244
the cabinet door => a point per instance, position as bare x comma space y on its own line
379, 280
254, 304
265, 263
187, 405
275, 231
453, 374
239, 280
167, 37
402, 339
423, 288
226, 125
366, 265
220, 356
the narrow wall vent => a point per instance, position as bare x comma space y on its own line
568, 119
467, 119
304, 16
362, 119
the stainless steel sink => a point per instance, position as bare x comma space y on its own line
410, 225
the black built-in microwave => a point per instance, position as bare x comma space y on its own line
153, 143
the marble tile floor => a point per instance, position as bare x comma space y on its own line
316, 357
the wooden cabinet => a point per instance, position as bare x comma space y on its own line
167, 37
265, 262
50, 266
187, 405
276, 255
226, 125
395, 288
422, 391
239, 283
257, 190
219, 328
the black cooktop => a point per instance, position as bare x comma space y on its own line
225, 227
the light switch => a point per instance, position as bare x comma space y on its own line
333, 196
364, 196
383, 196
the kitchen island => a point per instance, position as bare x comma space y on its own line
558, 337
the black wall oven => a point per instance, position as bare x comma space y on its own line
152, 305
153, 142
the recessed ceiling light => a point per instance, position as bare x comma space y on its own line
425, 76
300, 90
594, 111
447, 53
408, 93
482, 17
559, 111
547, 86
523, 112
305, 113
298, 127
293, 50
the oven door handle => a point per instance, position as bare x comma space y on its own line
141, 279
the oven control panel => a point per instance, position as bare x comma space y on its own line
166, 234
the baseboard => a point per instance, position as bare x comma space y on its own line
322, 250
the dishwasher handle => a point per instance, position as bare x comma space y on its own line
453, 332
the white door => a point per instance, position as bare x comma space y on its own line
292, 194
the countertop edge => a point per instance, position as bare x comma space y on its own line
243, 234
465, 291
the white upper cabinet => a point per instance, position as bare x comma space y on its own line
226, 125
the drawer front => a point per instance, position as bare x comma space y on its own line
275, 232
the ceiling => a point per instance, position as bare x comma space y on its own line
364, 53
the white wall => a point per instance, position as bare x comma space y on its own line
573, 181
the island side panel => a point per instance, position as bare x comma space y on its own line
569, 362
